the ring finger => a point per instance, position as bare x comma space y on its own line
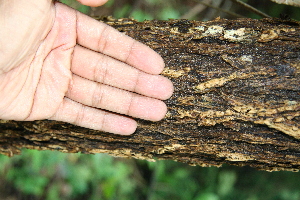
109, 98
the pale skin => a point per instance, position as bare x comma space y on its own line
58, 64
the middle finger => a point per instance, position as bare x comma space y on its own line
104, 69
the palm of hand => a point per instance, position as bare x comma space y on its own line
78, 84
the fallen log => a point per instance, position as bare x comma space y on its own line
236, 100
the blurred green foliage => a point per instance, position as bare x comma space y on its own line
164, 9
273, 9
54, 175
191, 9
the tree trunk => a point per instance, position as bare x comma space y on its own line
236, 100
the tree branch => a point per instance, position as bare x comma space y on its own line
236, 101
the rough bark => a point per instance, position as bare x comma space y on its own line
236, 101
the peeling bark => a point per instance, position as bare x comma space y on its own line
236, 100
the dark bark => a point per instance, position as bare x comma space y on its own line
236, 101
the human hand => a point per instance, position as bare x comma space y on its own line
58, 64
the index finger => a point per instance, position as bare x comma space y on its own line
102, 38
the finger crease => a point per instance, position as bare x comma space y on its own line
103, 39
80, 115
103, 120
97, 75
70, 89
97, 96
105, 74
136, 82
130, 51
77, 25
130, 105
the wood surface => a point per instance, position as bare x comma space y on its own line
236, 100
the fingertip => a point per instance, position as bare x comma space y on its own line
146, 59
120, 125
92, 3
128, 127
148, 108
159, 65
168, 89
155, 86
161, 111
